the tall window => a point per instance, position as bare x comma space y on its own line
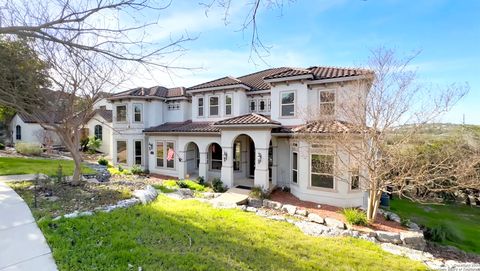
166, 154
228, 104
122, 152
237, 153
213, 106
322, 171
98, 132
200, 107
160, 154
295, 167
262, 106
170, 149
288, 104
137, 112
327, 103
18, 132
138, 152
121, 113
355, 180
216, 156
253, 105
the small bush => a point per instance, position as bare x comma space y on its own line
84, 143
120, 171
441, 233
200, 180
93, 144
191, 185
217, 185
182, 184
405, 222
170, 183
355, 216
163, 188
137, 170
28, 148
102, 161
257, 193
2, 146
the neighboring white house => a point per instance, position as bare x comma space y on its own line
25, 129
100, 127
242, 131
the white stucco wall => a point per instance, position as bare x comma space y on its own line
31, 132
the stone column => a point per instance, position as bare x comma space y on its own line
227, 166
203, 166
275, 161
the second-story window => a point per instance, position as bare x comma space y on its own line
121, 115
200, 107
214, 106
327, 103
262, 106
288, 104
228, 104
253, 105
137, 113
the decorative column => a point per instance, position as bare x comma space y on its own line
275, 161
227, 166
182, 165
261, 168
203, 165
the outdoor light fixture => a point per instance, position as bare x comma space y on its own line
259, 158
150, 148
225, 156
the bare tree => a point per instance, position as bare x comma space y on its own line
365, 113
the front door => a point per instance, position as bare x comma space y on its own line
251, 159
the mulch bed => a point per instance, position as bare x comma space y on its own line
380, 224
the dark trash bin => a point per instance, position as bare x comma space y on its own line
385, 200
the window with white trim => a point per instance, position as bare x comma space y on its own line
228, 104
262, 105
121, 152
327, 103
163, 149
321, 170
138, 159
295, 167
18, 132
137, 112
252, 105
173, 106
213, 103
355, 179
121, 113
215, 156
287, 104
98, 132
200, 107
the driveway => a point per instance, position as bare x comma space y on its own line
22, 244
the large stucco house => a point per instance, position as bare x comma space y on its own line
243, 131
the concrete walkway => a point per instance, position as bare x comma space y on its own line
22, 244
20, 178
233, 196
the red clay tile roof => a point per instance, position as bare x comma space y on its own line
316, 127
184, 127
248, 119
256, 81
156, 91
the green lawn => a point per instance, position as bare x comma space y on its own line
462, 222
190, 235
14, 166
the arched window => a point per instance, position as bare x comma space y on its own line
99, 132
18, 132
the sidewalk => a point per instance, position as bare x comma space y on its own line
22, 244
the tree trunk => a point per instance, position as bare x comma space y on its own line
77, 173
373, 202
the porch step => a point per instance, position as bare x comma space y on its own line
234, 196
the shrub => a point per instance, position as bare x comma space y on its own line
137, 170
102, 161
200, 180
28, 148
119, 171
441, 232
258, 193
405, 222
84, 143
163, 188
191, 185
355, 216
170, 183
2, 146
217, 185
93, 144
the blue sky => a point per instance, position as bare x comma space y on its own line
332, 33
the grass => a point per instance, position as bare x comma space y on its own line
83, 197
15, 166
461, 221
190, 235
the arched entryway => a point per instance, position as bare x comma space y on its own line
243, 150
192, 160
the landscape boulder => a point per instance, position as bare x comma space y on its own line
389, 237
315, 218
413, 239
301, 212
272, 204
311, 228
146, 195
332, 222
257, 203
290, 209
